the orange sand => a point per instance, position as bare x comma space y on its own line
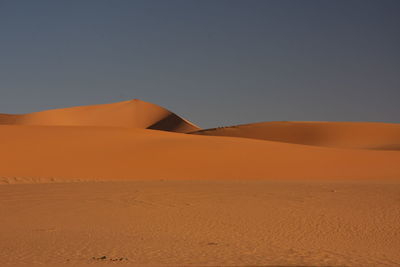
360, 135
68, 152
200, 223
133, 113
266, 194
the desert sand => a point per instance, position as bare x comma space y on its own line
132, 113
132, 183
355, 135
201, 223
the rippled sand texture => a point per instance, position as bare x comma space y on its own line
201, 223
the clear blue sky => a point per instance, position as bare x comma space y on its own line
214, 62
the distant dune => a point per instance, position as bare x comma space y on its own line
359, 135
133, 113
118, 141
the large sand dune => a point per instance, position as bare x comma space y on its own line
131, 153
267, 194
360, 135
133, 113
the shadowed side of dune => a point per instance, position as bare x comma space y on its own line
387, 147
132, 113
357, 135
172, 123
9, 118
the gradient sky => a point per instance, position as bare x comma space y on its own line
214, 62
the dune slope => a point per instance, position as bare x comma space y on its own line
381, 136
133, 113
35, 152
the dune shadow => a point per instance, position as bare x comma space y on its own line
8, 118
170, 123
394, 147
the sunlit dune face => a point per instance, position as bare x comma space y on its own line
139, 140
132, 153
133, 113
378, 136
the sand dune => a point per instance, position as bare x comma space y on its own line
132, 153
384, 136
133, 113
287, 194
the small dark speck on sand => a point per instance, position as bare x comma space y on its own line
100, 258
110, 259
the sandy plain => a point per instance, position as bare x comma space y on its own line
201, 223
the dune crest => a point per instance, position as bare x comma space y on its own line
132, 113
117, 141
354, 135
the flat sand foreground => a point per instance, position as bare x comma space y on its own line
201, 223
